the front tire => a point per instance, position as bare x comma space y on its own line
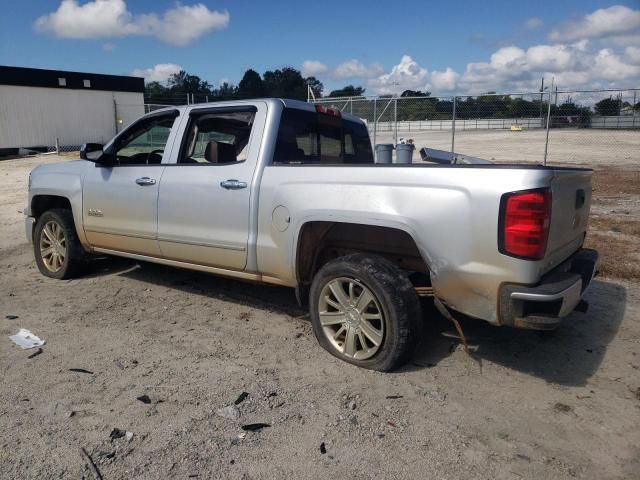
364, 310
56, 246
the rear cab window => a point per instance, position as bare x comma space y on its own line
307, 137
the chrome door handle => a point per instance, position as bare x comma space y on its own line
233, 184
144, 181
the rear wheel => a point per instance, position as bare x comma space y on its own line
57, 249
365, 311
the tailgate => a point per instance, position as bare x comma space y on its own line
571, 202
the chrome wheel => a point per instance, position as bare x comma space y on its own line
53, 246
351, 318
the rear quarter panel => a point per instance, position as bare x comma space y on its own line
450, 212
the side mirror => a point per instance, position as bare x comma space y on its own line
93, 152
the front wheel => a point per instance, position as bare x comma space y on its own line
365, 311
56, 246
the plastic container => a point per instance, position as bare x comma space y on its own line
404, 153
384, 152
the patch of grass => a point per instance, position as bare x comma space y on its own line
618, 256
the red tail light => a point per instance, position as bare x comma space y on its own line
328, 110
524, 223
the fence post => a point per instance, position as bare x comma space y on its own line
395, 116
453, 131
187, 99
546, 142
375, 121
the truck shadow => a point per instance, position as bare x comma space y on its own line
568, 356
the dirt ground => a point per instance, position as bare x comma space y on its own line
531, 405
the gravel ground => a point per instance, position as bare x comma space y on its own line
529, 405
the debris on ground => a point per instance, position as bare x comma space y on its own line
239, 438
92, 466
323, 448
392, 424
81, 370
562, 407
255, 427
128, 436
36, 353
241, 398
229, 412
25, 339
11, 317
352, 405
144, 399
117, 433
393, 397
435, 394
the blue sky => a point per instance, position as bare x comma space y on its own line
385, 46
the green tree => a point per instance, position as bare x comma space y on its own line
415, 93
348, 91
285, 83
183, 82
608, 106
251, 85
316, 86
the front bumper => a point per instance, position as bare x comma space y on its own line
542, 307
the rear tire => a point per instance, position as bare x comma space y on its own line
56, 246
364, 310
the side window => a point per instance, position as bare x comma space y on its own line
144, 142
307, 137
220, 137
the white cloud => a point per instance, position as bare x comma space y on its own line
633, 54
605, 22
444, 81
356, 69
312, 68
533, 23
406, 75
108, 47
111, 18
158, 73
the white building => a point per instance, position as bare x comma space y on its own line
41, 107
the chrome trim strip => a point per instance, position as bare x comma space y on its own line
118, 234
203, 244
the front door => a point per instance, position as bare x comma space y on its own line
203, 207
120, 203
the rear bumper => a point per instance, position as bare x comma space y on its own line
542, 307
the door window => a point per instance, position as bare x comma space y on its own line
218, 137
307, 137
144, 142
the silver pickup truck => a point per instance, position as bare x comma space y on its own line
287, 193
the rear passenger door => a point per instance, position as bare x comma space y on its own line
203, 203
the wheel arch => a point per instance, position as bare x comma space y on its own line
319, 241
42, 202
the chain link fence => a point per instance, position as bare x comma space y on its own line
598, 127
560, 127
